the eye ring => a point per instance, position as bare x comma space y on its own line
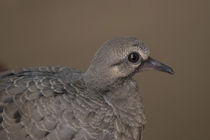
133, 57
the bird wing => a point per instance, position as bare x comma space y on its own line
40, 103
30, 105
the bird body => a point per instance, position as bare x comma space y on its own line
50, 102
61, 103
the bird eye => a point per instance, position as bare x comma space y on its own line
133, 57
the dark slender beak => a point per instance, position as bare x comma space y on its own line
151, 64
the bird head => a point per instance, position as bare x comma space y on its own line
122, 58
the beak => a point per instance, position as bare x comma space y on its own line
151, 64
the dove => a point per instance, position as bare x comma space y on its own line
63, 103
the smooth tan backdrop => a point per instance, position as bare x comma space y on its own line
34, 33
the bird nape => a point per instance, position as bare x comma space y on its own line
62, 103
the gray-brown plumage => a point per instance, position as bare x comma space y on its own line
61, 103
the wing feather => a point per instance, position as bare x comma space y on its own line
24, 99
41, 103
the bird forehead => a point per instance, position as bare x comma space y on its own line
121, 47
125, 50
126, 45
144, 52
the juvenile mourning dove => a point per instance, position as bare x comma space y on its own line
61, 103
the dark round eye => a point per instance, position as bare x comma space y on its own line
133, 57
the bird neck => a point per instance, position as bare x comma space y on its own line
101, 81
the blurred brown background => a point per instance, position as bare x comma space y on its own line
34, 33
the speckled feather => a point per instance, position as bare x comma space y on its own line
50, 103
